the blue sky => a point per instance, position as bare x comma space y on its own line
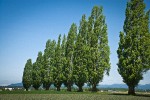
26, 25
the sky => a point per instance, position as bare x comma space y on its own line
26, 25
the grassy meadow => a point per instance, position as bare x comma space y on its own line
64, 95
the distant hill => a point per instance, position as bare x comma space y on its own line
16, 85
146, 86
113, 86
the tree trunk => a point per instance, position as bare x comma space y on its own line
69, 84
69, 87
26, 89
131, 90
94, 89
80, 89
58, 88
47, 88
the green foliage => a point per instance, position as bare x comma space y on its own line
80, 61
36, 72
134, 46
63, 49
81, 58
98, 49
27, 75
48, 64
58, 65
70, 44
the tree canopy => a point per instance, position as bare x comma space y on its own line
134, 46
27, 75
82, 57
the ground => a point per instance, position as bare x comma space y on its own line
49, 95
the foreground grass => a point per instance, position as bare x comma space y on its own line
63, 95
69, 97
48, 92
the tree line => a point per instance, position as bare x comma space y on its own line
83, 55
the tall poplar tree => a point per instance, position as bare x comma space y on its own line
57, 70
48, 64
70, 43
36, 72
97, 43
27, 75
63, 49
134, 46
80, 60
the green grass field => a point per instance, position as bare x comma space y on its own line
69, 97
63, 95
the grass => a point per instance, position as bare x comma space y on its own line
46, 92
63, 95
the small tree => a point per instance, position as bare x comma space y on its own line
27, 75
36, 72
134, 46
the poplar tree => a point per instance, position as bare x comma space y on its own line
134, 46
70, 43
63, 49
80, 60
57, 70
48, 64
97, 43
27, 75
36, 72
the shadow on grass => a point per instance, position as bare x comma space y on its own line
143, 95
123, 94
